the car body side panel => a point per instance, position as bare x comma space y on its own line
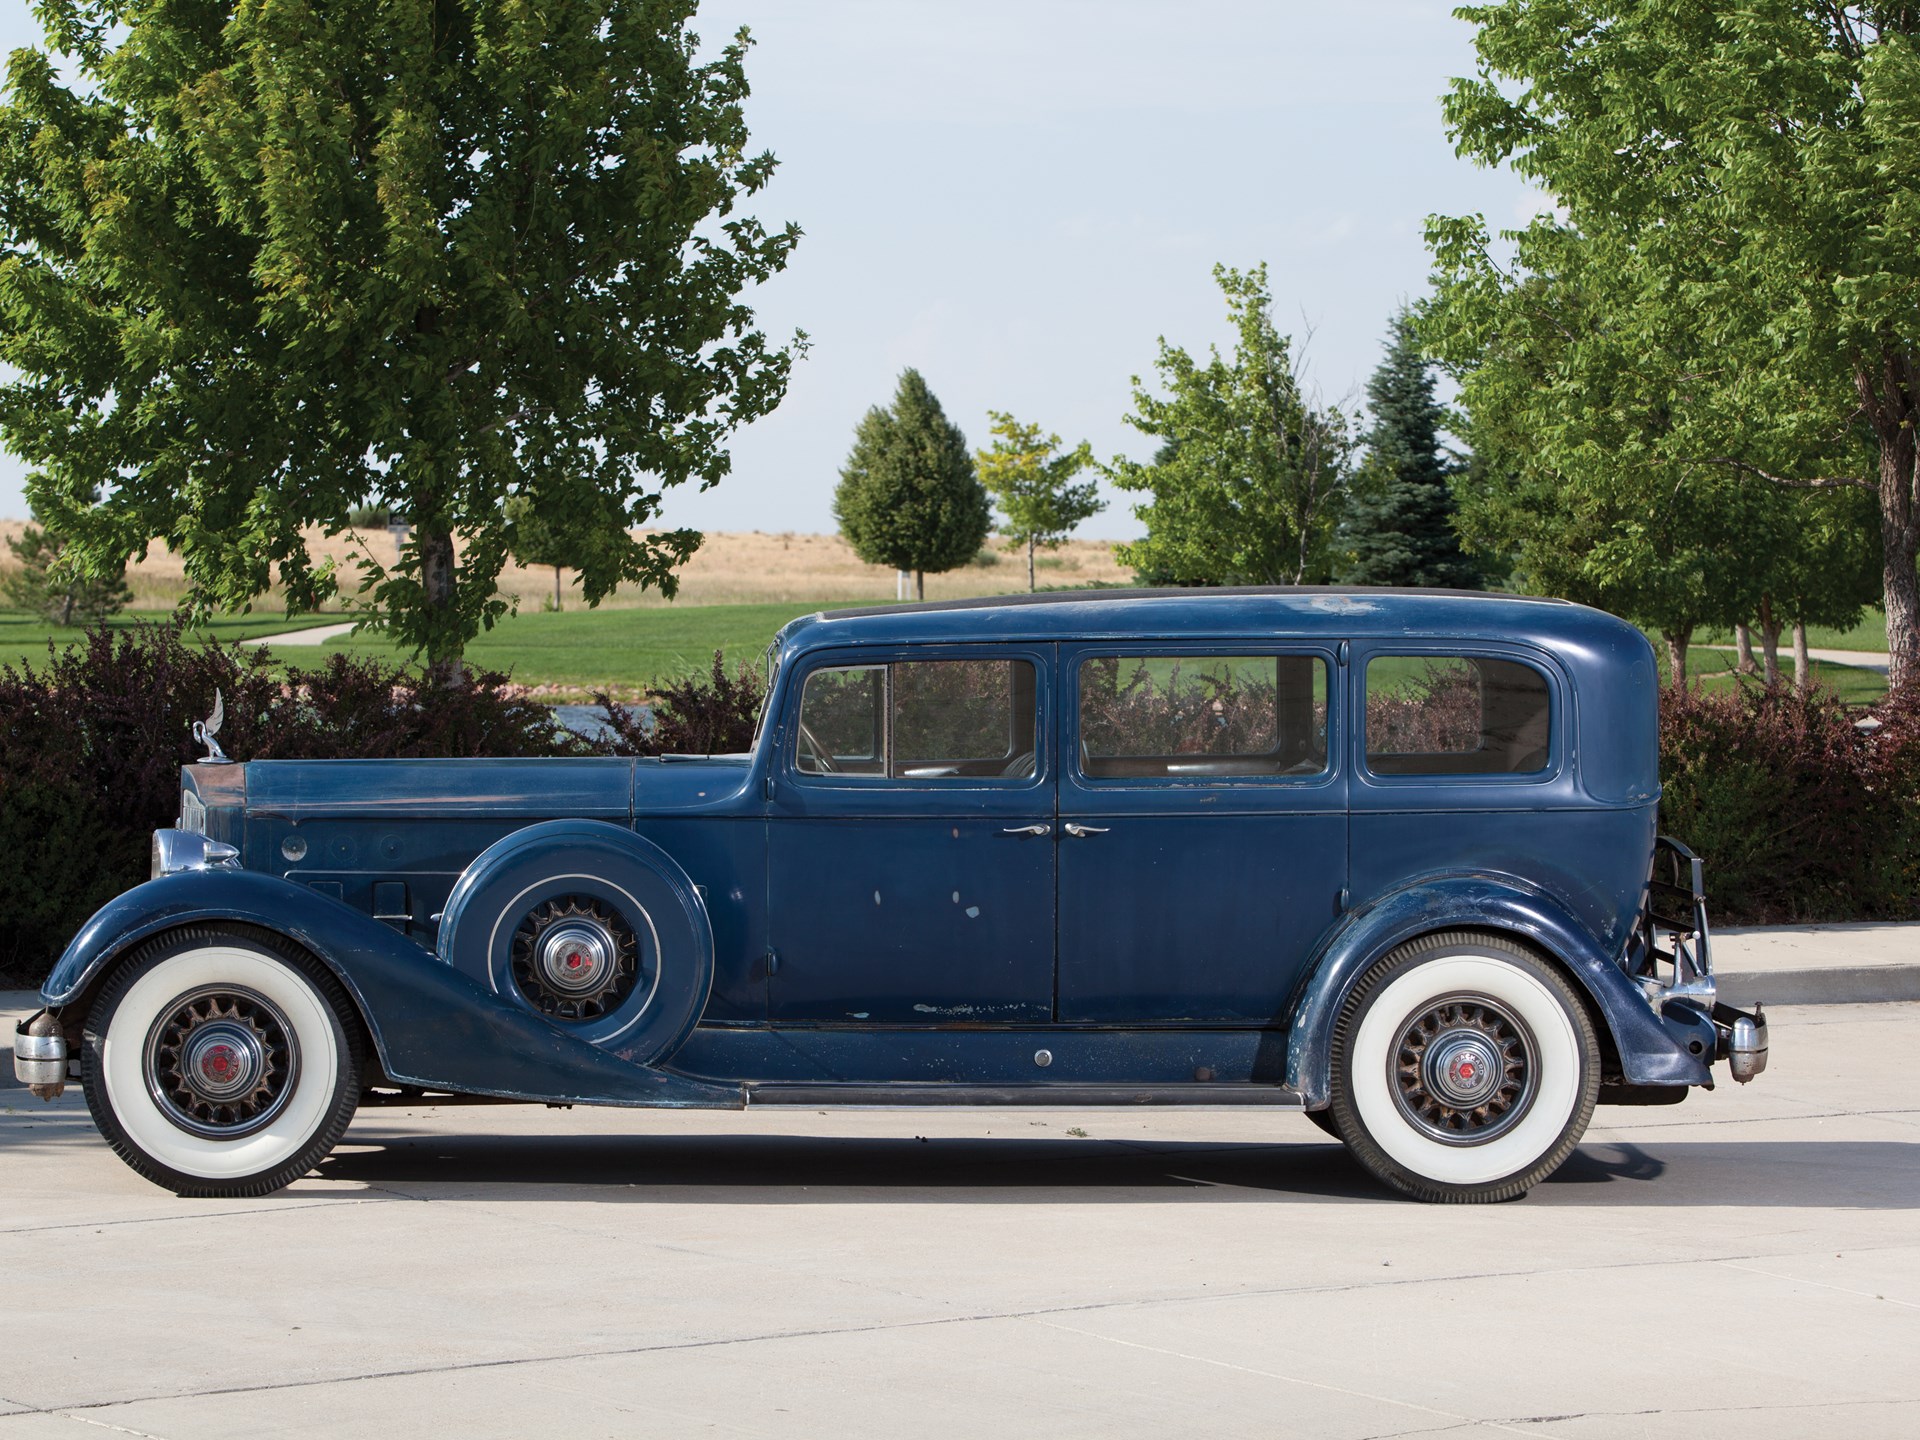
431, 1026
1651, 1052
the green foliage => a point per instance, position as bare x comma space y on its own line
1032, 482
1725, 292
1248, 482
1399, 523
42, 586
908, 496
265, 262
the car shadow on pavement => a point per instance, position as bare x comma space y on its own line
810, 1170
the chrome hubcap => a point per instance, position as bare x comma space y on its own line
222, 1063
574, 958
1464, 1070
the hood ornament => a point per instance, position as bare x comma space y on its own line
205, 730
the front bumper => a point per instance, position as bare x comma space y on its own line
40, 1055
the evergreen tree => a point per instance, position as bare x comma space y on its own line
908, 495
58, 593
1399, 528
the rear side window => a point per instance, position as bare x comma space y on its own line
1169, 716
1456, 715
920, 720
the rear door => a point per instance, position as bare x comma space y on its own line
1203, 846
911, 855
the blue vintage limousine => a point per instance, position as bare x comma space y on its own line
1388, 858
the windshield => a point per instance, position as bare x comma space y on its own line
769, 667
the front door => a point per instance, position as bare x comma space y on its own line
1203, 846
910, 845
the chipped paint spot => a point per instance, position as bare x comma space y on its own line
858, 1014
973, 912
1340, 605
876, 897
956, 897
979, 1010
956, 832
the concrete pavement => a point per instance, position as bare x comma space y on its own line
1746, 1264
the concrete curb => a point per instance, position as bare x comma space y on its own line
1832, 985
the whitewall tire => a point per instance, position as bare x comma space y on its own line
222, 1061
1465, 1068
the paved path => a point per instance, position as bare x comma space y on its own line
1744, 1265
1861, 659
312, 635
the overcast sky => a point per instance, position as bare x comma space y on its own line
1018, 198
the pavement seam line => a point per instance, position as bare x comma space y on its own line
882, 1327
1454, 1416
1819, 1285
105, 1425
174, 1219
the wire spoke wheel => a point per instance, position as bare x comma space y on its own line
574, 958
222, 1062
1465, 1070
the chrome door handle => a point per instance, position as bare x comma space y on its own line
1077, 830
1028, 830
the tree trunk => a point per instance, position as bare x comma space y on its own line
919, 584
1770, 642
1743, 648
1802, 664
1893, 409
1677, 642
65, 609
444, 665
556, 588
1030, 584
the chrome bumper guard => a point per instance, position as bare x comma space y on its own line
1671, 958
40, 1055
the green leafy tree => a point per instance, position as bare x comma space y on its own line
1249, 478
1033, 484
1399, 524
538, 537
43, 586
264, 259
908, 496
1738, 186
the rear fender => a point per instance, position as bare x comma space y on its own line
1652, 1052
432, 1027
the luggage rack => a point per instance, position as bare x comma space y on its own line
1669, 955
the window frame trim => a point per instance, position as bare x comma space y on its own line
885, 657
1542, 662
1327, 652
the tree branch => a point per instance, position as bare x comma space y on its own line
1820, 482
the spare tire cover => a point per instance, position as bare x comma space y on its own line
634, 878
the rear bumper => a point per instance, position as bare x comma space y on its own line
1672, 962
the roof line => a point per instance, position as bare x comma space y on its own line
1103, 596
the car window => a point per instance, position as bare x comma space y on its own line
1167, 716
1455, 715
920, 720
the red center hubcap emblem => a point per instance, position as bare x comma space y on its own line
574, 961
219, 1064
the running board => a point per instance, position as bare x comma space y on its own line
1053, 1097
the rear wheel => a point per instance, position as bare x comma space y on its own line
222, 1062
1465, 1068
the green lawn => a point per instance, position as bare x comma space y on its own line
1715, 669
24, 638
1869, 634
628, 649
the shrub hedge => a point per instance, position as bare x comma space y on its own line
1800, 812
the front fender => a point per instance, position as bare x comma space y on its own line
432, 1027
1651, 1052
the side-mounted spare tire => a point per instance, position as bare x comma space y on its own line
590, 925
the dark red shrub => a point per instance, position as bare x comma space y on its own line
1800, 812
710, 714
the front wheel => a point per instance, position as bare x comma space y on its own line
1465, 1068
221, 1062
